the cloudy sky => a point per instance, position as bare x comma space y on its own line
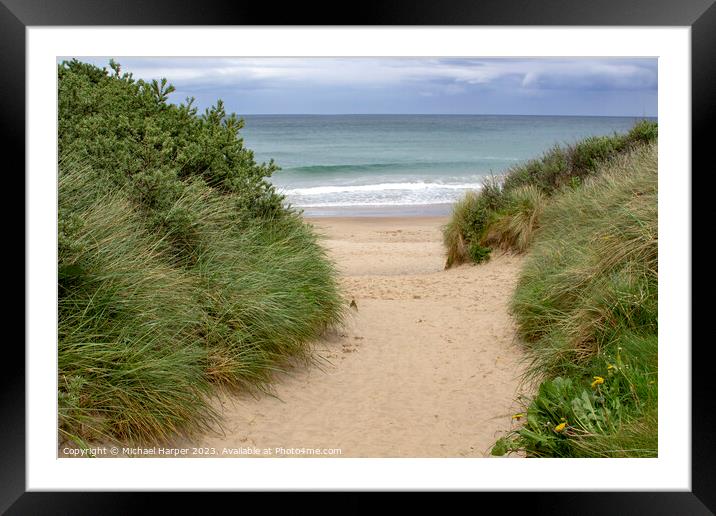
554, 86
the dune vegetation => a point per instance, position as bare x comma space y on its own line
505, 213
179, 267
586, 311
587, 308
587, 297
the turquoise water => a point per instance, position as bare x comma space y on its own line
389, 161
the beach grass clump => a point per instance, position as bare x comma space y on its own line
586, 306
513, 225
463, 233
179, 268
510, 214
129, 359
267, 292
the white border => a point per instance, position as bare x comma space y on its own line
672, 470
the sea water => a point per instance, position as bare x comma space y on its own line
372, 164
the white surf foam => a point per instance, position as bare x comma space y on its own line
380, 187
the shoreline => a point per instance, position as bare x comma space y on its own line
382, 211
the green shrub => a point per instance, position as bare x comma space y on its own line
643, 131
127, 131
478, 253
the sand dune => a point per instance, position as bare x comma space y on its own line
427, 365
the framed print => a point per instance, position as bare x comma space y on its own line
417, 249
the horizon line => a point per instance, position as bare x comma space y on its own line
442, 114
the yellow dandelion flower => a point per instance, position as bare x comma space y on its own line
598, 380
610, 366
518, 416
560, 427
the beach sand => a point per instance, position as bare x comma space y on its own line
426, 366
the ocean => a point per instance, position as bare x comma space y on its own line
407, 164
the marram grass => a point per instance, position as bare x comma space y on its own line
513, 227
142, 339
179, 270
505, 213
586, 308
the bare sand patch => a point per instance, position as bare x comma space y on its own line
426, 366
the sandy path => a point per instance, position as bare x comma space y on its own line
426, 367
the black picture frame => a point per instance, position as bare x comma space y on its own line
700, 15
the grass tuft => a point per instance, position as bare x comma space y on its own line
513, 226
